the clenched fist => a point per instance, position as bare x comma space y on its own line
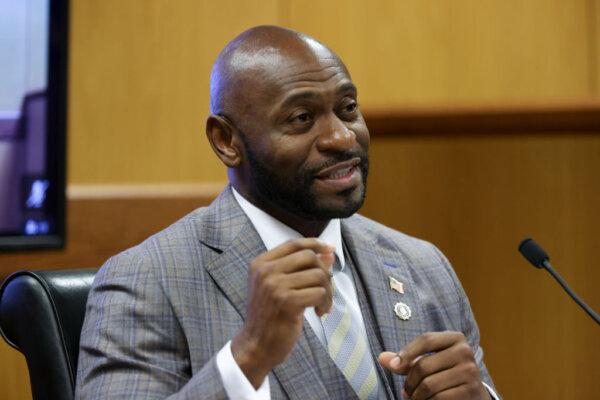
281, 283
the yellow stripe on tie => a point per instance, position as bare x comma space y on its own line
370, 384
337, 337
355, 359
349, 348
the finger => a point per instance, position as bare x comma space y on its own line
425, 366
292, 246
325, 307
314, 277
327, 258
392, 362
464, 391
298, 261
429, 342
311, 278
308, 297
438, 383
389, 360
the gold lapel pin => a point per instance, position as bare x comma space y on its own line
396, 285
402, 311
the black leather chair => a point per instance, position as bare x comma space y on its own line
41, 314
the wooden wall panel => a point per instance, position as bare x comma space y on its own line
476, 196
13, 374
140, 69
594, 23
421, 51
139, 86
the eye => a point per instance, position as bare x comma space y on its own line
301, 117
304, 117
351, 107
348, 110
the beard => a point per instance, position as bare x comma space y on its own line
295, 194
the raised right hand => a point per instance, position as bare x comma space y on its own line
282, 282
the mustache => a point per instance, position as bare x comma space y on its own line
340, 157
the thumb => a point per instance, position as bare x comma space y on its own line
398, 363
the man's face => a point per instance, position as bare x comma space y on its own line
306, 142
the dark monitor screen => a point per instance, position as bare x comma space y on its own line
33, 79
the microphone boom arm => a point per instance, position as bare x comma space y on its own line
561, 281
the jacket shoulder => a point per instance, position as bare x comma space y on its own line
164, 247
412, 247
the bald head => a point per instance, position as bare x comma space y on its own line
250, 59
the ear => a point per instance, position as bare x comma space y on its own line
224, 140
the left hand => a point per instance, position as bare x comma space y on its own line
437, 365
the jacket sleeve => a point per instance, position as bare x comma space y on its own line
132, 344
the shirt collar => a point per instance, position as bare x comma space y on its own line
273, 232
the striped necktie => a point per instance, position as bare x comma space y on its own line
349, 348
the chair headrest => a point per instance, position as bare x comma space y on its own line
41, 314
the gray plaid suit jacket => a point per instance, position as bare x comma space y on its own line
159, 312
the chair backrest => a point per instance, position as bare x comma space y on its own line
41, 314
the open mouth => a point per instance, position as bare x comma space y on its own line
340, 170
341, 173
341, 176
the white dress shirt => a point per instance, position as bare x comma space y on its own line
274, 233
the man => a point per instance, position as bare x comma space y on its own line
277, 289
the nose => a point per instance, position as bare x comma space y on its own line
335, 136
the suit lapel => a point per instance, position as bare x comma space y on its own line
229, 232
377, 259
373, 335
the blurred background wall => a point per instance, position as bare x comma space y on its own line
485, 123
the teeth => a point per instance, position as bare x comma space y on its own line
340, 173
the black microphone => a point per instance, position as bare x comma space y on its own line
534, 253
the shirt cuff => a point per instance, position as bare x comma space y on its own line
489, 389
236, 385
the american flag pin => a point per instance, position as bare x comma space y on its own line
396, 285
